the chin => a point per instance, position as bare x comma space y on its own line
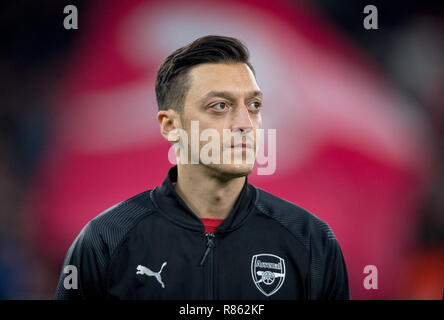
229, 171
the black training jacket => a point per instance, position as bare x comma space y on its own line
152, 246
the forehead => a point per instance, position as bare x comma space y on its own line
236, 78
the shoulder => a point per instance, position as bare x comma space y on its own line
93, 248
111, 226
124, 213
304, 225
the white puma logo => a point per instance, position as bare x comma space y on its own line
144, 270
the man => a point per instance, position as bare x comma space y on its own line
206, 233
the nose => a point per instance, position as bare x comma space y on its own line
242, 120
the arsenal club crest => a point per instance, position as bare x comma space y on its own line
268, 272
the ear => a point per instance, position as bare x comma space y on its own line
169, 123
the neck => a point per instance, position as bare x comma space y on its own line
205, 193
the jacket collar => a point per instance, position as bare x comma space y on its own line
174, 208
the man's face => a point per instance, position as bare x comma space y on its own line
225, 96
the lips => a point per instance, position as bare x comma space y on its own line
243, 145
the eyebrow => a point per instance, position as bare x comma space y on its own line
228, 95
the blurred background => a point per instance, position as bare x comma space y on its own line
358, 113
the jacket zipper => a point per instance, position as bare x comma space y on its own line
209, 253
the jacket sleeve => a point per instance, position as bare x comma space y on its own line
335, 286
329, 279
83, 274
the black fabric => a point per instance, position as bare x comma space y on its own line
152, 246
172, 206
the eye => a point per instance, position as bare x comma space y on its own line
255, 106
220, 106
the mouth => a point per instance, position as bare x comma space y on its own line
244, 146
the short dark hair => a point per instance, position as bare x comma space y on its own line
172, 83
